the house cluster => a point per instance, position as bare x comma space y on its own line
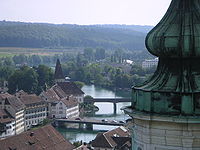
63, 98
118, 139
44, 138
21, 111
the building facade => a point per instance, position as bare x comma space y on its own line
7, 124
35, 109
15, 108
59, 104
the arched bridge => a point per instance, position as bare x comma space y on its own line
89, 122
109, 100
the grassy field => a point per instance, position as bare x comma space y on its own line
11, 51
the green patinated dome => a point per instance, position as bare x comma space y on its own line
178, 33
175, 86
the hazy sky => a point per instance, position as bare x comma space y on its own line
140, 12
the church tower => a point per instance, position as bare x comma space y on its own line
58, 76
166, 108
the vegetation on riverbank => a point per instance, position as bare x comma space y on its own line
93, 66
89, 107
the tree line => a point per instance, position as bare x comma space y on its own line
34, 73
41, 35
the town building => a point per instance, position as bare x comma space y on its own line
69, 88
166, 109
44, 138
7, 124
15, 108
149, 63
35, 109
60, 105
118, 139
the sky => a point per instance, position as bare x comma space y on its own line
84, 12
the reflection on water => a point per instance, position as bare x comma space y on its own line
105, 112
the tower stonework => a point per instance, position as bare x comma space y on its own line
166, 108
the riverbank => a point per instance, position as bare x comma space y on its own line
105, 112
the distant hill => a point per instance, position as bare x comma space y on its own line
43, 35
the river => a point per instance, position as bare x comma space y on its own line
105, 112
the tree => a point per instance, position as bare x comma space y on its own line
8, 61
24, 79
20, 59
89, 54
45, 76
6, 72
79, 84
100, 54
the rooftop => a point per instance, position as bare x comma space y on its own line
30, 99
108, 139
44, 138
15, 103
5, 117
70, 88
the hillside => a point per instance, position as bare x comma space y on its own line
43, 35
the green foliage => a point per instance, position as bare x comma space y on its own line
100, 54
77, 143
45, 76
79, 84
23, 79
6, 72
36, 35
31, 80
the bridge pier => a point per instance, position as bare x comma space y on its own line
115, 108
89, 126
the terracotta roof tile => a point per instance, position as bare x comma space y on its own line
14, 102
70, 88
105, 140
70, 102
30, 99
5, 117
44, 138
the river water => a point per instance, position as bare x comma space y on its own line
105, 112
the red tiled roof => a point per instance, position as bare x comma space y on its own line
105, 140
5, 117
44, 138
4, 95
70, 88
14, 102
70, 102
50, 95
30, 99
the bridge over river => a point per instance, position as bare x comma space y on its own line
89, 122
109, 100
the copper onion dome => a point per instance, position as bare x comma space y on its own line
178, 33
175, 87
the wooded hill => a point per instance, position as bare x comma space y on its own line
43, 35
